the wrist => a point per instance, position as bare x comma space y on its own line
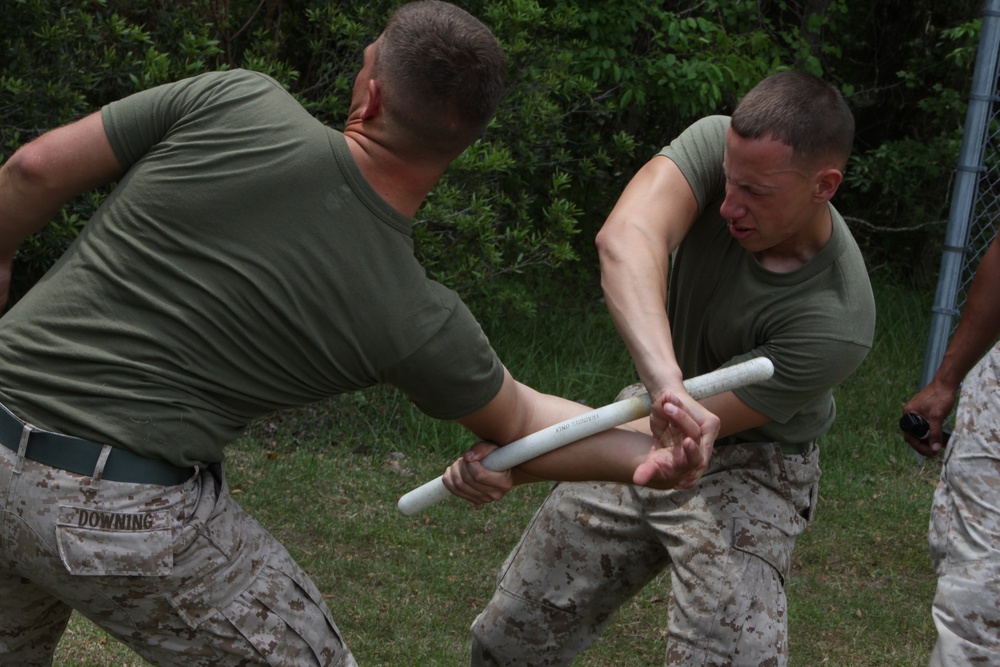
947, 379
668, 382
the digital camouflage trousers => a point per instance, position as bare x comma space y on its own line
964, 535
727, 545
181, 574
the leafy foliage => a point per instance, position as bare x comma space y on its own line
596, 87
911, 115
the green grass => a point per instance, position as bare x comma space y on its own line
404, 590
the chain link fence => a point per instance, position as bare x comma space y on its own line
975, 205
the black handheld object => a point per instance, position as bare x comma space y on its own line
917, 426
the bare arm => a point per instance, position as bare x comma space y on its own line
43, 175
615, 455
651, 218
518, 410
977, 330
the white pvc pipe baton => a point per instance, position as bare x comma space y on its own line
591, 423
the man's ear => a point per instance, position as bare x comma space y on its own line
373, 105
827, 182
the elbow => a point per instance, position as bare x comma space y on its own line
25, 173
607, 246
616, 248
621, 236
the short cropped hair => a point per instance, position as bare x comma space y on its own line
442, 73
802, 111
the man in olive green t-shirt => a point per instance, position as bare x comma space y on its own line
735, 217
249, 259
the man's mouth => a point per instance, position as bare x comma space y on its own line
739, 232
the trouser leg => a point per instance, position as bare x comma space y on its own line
585, 552
31, 623
182, 574
966, 612
31, 620
964, 535
730, 546
593, 546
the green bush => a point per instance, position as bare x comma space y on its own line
596, 87
62, 62
901, 175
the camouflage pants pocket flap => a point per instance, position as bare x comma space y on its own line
765, 541
103, 543
282, 604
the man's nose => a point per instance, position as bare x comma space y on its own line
732, 208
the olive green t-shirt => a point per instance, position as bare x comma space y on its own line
816, 323
242, 265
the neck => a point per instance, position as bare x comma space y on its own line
402, 183
795, 252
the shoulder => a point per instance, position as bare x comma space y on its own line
708, 133
698, 152
853, 272
202, 90
233, 102
237, 79
231, 77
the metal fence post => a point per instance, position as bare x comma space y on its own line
955, 258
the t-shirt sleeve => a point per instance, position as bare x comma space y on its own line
137, 123
806, 370
698, 152
818, 341
454, 373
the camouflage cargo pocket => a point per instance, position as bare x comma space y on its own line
765, 541
104, 543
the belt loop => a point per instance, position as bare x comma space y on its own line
101, 462
22, 447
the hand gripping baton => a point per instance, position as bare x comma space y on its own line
590, 423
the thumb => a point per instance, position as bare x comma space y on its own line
479, 451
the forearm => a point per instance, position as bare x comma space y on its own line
611, 456
977, 330
519, 411
979, 325
629, 456
648, 222
44, 174
622, 455
22, 212
25, 206
634, 285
